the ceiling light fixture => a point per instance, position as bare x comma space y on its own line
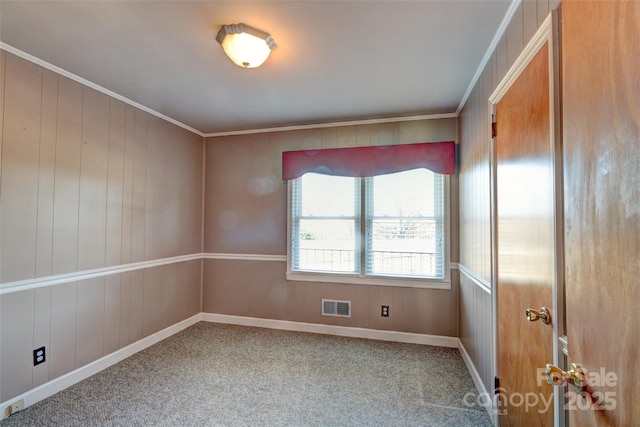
246, 46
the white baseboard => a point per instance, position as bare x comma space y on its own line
345, 331
54, 386
478, 382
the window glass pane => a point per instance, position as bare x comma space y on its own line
405, 224
410, 249
324, 195
404, 193
327, 245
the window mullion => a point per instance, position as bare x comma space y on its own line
296, 207
365, 226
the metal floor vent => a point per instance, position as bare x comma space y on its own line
336, 308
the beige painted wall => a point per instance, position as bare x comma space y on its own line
246, 211
475, 208
89, 182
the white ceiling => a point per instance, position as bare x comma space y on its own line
335, 60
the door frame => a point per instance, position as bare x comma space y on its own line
547, 32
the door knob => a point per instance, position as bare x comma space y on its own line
574, 376
543, 314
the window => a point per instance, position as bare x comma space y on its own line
388, 229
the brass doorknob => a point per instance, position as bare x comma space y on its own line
574, 376
543, 314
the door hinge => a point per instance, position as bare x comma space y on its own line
496, 385
494, 131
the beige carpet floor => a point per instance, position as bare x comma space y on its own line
222, 375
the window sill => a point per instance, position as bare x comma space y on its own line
404, 282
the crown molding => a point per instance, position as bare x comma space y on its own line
502, 28
334, 124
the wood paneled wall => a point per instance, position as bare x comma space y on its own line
475, 179
88, 181
246, 213
475, 326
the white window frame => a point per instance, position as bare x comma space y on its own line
376, 280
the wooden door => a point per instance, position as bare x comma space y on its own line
601, 128
527, 258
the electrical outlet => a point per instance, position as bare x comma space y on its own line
15, 407
384, 310
39, 356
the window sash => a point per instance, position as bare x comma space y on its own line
297, 254
403, 261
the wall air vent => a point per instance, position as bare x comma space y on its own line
336, 308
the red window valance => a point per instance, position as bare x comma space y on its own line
439, 157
